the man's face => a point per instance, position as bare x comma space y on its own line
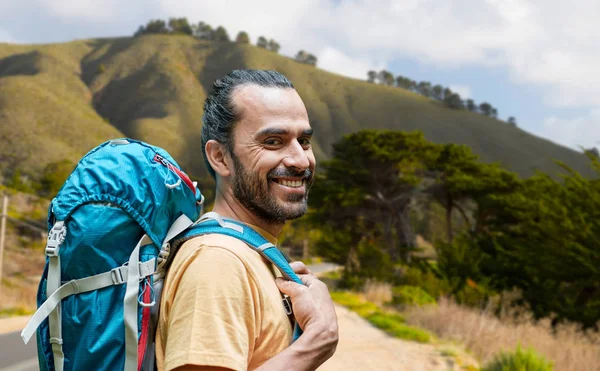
273, 159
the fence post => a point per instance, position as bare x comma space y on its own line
3, 216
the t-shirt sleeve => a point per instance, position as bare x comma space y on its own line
213, 317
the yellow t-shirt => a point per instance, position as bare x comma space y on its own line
220, 307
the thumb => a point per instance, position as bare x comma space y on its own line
289, 288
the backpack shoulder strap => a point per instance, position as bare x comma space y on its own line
212, 222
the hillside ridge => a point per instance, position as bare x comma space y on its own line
60, 100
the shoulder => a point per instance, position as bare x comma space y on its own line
229, 248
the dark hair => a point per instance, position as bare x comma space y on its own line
219, 114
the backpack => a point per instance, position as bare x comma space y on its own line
113, 229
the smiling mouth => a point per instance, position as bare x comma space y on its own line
289, 183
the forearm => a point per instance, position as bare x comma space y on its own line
307, 353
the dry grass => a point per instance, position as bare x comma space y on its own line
377, 292
485, 335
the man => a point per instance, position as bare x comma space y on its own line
222, 304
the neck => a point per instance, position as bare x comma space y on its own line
229, 207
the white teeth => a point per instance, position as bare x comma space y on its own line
291, 183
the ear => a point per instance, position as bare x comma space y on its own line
217, 157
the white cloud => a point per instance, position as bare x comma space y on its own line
582, 131
334, 60
87, 9
463, 90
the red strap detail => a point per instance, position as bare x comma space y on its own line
181, 174
185, 178
145, 327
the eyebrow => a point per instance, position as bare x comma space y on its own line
279, 131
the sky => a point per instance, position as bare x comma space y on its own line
534, 60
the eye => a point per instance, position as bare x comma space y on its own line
273, 142
304, 142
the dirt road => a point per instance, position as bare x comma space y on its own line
364, 347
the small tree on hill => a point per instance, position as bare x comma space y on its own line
371, 76
454, 101
437, 92
494, 113
155, 26
306, 58
471, 106
424, 88
311, 60
180, 26
221, 34
485, 109
262, 42
273, 46
385, 77
512, 121
242, 38
204, 31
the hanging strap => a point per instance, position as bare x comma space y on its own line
115, 276
130, 307
56, 237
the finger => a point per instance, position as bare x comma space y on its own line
308, 279
290, 288
299, 267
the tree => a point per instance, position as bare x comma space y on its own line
273, 46
180, 26
405, 83
385, 77
454, 101
437, 92
311, 60
242, 38
471, 106
485, 109
494, 112
447, 93
305, 57
262, 42
221, 34
371, 76
368, 187
459, 176
204, 31
424, 88
155, 26
512, 121
544, 239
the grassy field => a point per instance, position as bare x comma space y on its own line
60, 100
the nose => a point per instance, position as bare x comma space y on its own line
297, 157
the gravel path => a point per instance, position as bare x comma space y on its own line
364, 347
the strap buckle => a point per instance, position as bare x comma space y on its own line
287, 305
56, 237
117, 276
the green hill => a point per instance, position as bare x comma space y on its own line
60, 100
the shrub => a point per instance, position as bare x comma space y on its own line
426, 280
355, 303
394, 325
411, 295
519, 360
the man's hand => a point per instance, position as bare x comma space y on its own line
314, 311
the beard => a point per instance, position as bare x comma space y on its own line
255, 194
